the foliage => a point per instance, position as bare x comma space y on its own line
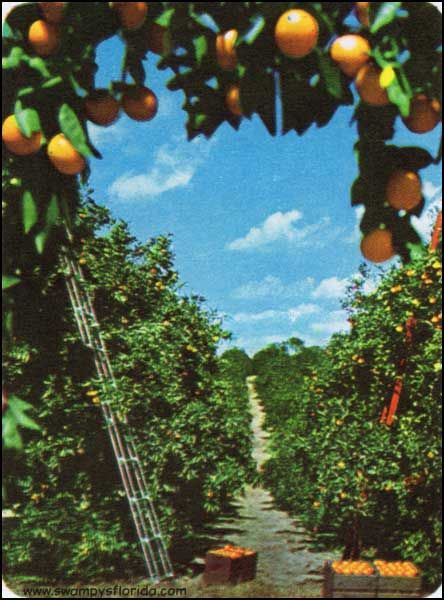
333, 463
188, 409
48, 93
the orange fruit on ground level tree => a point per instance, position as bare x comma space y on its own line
102, 108
44, 38
64, 156
296, 33
140, 103
403, 190
377, 246
225, 51
363, 13
131, 14
425, 114
232, 100
159, 39
369, 87
52, 11
16, 142
351, 52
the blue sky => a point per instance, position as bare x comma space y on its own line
262, 226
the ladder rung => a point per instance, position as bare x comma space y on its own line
153, 538
128, 459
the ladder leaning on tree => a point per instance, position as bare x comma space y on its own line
143, 513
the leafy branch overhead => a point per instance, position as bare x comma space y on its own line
291, 67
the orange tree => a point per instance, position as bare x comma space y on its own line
353, 480
188, 409
230, 61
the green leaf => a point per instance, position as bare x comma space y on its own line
13, 60
398, 97
73, 130
19, 408
7, 32
38, 64
165, 18
331, 75
258, 24
30, 213
11, 437
40, 240
385, 15
52, 212
200, 48
15, 416
8, 281
27, 119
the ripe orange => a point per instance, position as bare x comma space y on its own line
52, 11
296, 33
351, 52
140, 103
64, 156
369, 87
377, 246
363, 13
16, 142
403, 191
232, 100
159, 39
131, 14
225, 51
425, 114
44, 37
102, 108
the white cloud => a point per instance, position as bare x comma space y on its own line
356, 235
273, 287
430, 190
333, 322
280, 227
424, 224
174, 166
100, 136
292, 314
277, 226
333, 287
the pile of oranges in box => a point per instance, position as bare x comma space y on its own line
352, 567
230, 551
396, 569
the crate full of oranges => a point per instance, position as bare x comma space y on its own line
363, 579
230, 564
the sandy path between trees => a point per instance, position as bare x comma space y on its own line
286, 568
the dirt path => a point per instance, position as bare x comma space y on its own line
286, 568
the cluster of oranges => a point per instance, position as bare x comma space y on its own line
296, 35
232, 552
352, 567
396, 568
382, 567
100, 107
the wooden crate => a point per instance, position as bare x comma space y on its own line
224, 569
390, 586
348, 586
369, 586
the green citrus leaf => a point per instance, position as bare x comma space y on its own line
200, 48
165, 18
27, 119
72, 128
40, 240
8, 281
385, 15
30, 213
